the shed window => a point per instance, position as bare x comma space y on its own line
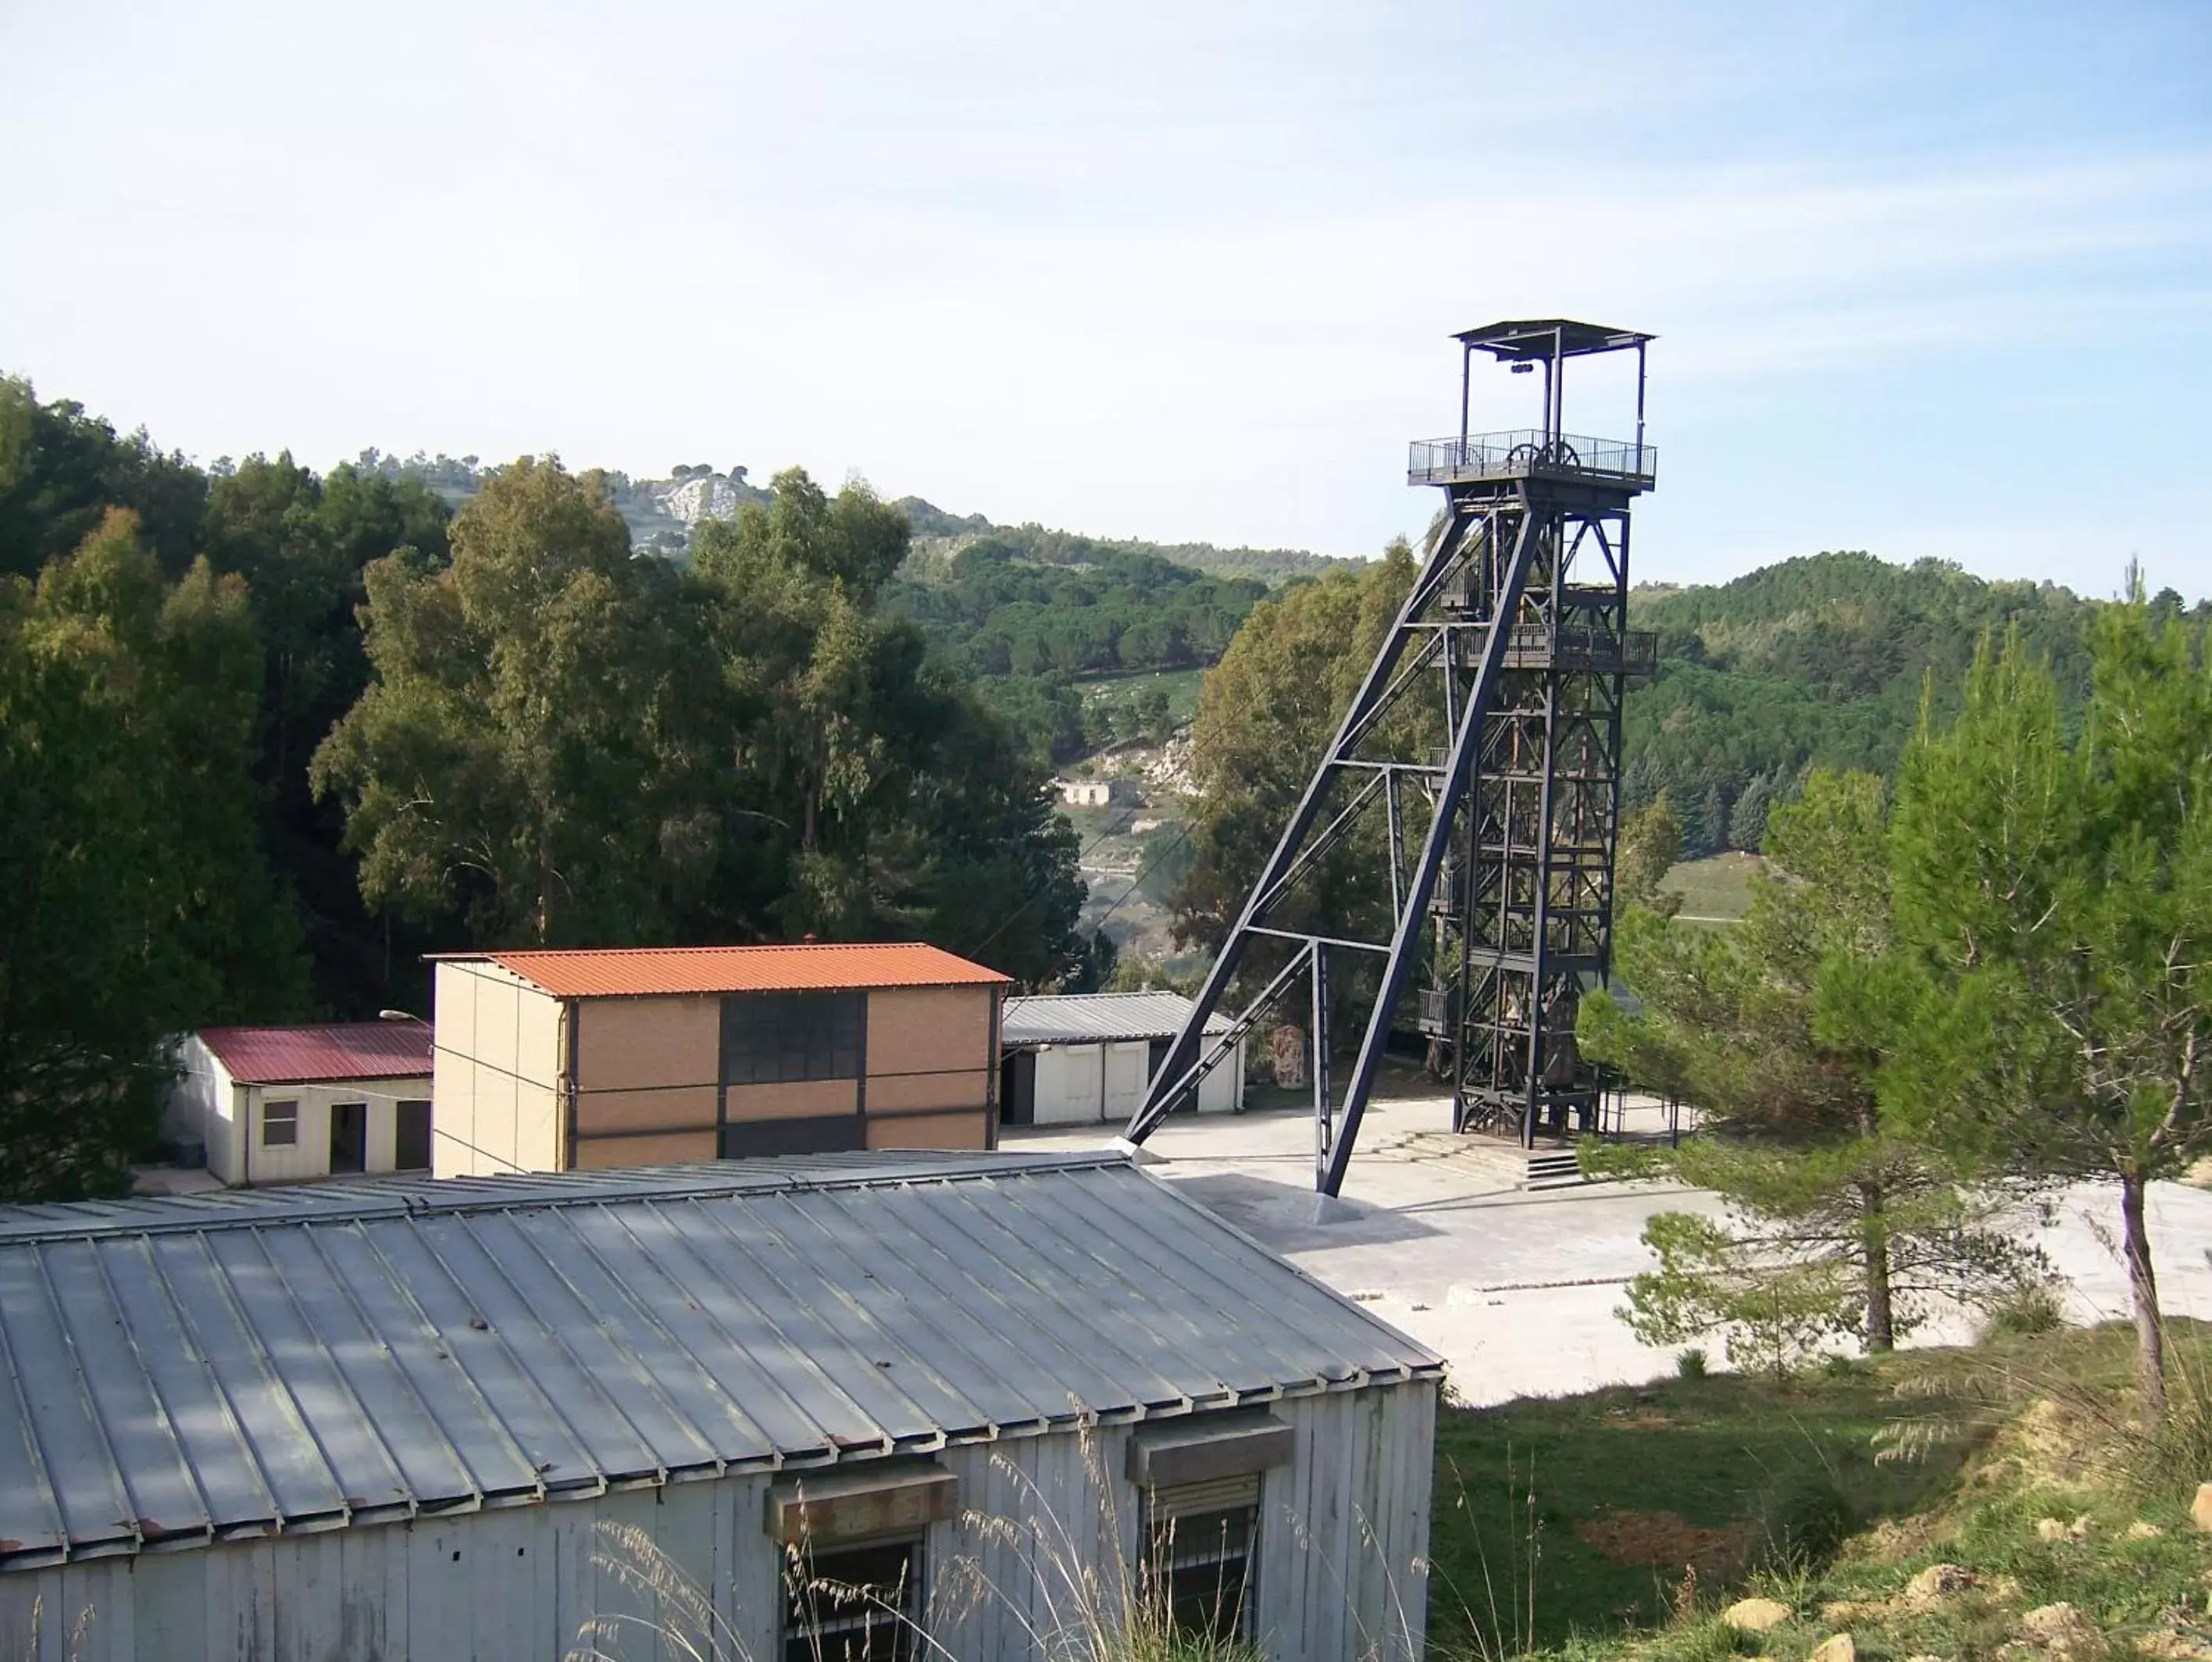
280, 1125
769, 1038
1200, 1540
1201, 1479
856, 1604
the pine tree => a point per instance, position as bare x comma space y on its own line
1747, 819
1711, 837
2059, 894
1834, 1225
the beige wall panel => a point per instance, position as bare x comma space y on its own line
498, 1041
497, 1116
927, 1090
690, 1107
933, 1131
598, 1153
928, 1030
801, 1099
453, 1008
540, 1039
627, 1044
540, 1140
495, 1074
453, 1113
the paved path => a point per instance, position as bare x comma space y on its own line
1519, 1290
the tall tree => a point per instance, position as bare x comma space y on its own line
2059, 892
1265, 713
514, 755
61, 470
1746, 827
1649, 846
302, 543
569, 744
139, 902
1834, 1225
875, 793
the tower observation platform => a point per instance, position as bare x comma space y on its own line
1456, 840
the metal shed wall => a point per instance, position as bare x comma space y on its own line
1091, 1084
1343, 1533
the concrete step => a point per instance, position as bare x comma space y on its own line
1507, 1164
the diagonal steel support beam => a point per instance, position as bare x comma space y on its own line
1405, 940
1324, 840
1444, 554
1158, 1103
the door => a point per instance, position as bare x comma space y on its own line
348, 1137
410, 1147
1017, 1089
1127, 1069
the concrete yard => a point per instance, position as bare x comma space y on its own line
1519, 1290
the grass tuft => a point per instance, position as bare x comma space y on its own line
2016, 1460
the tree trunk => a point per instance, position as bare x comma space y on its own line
1874, 1233
2143, 1288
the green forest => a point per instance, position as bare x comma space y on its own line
1821, 661
266, 735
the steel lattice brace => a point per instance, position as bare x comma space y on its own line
1479, 764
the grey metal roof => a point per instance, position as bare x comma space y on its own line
198, 1367
1075, 1018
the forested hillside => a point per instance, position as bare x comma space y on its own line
1022, 610
1024, 627
1818, 661
266, 735
939, 535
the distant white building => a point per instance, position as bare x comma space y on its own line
1098, 793
1085, 1059
287, 1105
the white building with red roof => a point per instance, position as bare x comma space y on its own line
288, 1104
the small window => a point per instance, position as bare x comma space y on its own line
1198, 1545
280, 1125
857, 1604
773, 1038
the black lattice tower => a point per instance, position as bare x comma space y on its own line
1480, 766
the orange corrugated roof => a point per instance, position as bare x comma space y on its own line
633, 972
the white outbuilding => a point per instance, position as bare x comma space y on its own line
833, 1407
1085, 1057
291, 1104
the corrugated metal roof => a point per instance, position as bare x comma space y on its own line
1073, 1018
828, 967
191, 1368
342, 1050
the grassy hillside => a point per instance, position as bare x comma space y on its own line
1621, 1523
1714, 891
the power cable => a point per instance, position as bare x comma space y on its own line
1037, 893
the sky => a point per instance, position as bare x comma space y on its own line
1928, 281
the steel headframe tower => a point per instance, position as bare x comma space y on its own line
1481, 762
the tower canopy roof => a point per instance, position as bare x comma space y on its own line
1539, 338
